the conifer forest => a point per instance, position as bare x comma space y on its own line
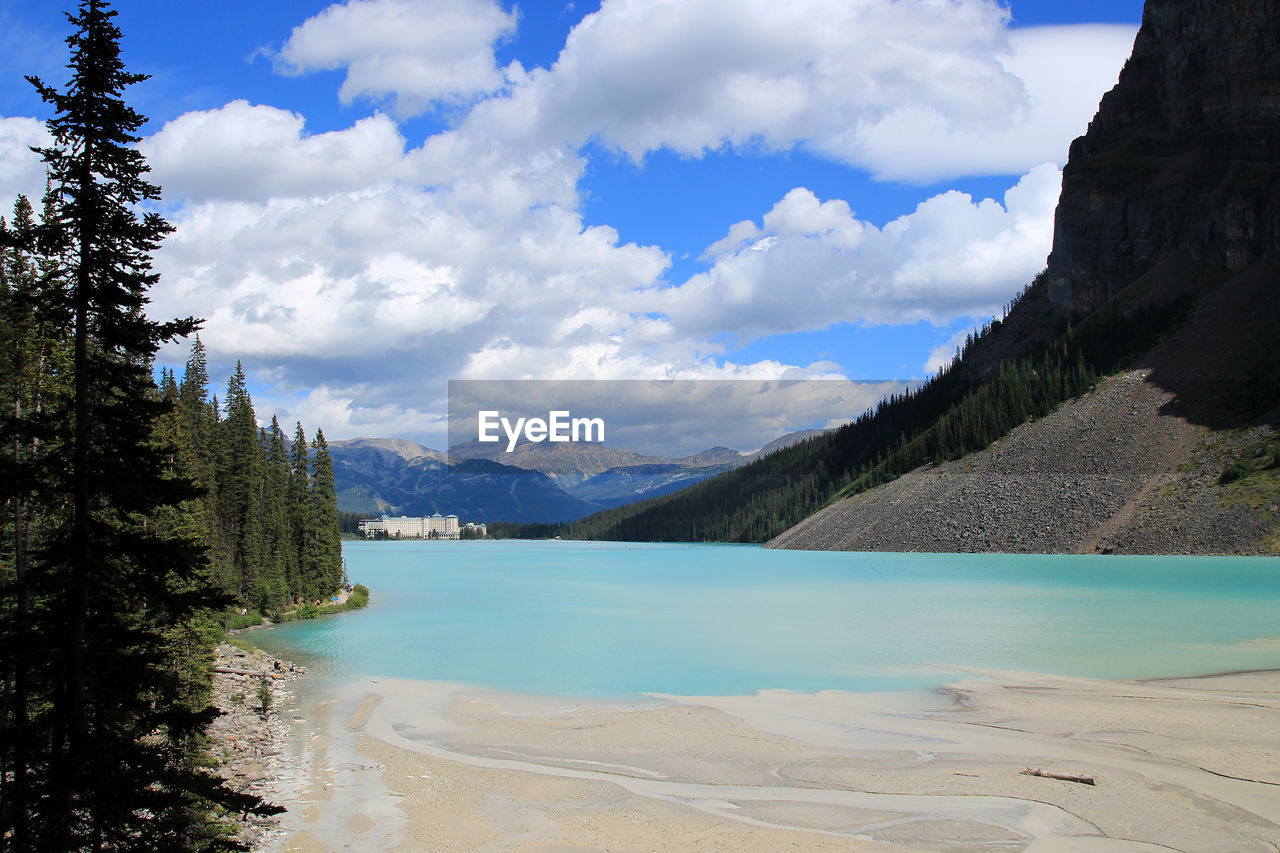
138, 510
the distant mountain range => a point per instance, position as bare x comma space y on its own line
537, 482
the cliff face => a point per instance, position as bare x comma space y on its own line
1183, 155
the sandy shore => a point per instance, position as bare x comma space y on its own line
1186, 764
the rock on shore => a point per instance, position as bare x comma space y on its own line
248, 744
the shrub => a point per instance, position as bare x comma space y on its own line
264, 697
236, 620
1236, 471
358, 598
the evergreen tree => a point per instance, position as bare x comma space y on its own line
280, 555
202, 443
300, 511
33, 358
240, 492
109, 759
324, 500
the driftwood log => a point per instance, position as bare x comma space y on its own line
1064, 777
229, 671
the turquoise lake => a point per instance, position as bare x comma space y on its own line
589, 619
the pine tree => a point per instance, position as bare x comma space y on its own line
202, 443
33, 358
241, 486
300, 512
326, 556
280, 557
111, 758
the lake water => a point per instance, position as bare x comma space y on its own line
591, 619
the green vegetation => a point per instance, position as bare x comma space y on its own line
349, 523
267, 508
1237, 470
355, 600
264, 697
359, 597
979, 398
137, 519
107, 593
1253, 479
1260, 457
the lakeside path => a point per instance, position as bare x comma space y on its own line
1188, 764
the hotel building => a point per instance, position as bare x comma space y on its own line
406, 527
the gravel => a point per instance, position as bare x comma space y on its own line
1106, 473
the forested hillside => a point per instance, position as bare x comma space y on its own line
978, 398
268, 508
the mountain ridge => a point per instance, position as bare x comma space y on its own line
377, 475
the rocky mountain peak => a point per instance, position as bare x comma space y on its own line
1182, 156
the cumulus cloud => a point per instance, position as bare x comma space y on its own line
355, 274
942, 355
247, 152
362, 302
915, 91
810, 263
1064, 72
397, 283
21, 170
413, 52
694, 76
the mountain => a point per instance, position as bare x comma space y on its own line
386, 448
627, 483
567, 463
1131, 390
1181, 157
375, 476
785, 441
1171, 198
537, 482
606, 476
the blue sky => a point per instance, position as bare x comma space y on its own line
373, 197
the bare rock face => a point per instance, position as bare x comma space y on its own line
1183, 155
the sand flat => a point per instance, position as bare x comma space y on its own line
1184, 764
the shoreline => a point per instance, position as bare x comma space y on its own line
249, 746
1187, 763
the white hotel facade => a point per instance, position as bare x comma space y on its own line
406, 527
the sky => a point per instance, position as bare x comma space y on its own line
374, 197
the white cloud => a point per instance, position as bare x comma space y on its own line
399, 283
249, 152
693, 76
943, 354
21, 170
357, 275
341, 415
812, 263
917, 90
414, 52
1065, 71
364, 302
